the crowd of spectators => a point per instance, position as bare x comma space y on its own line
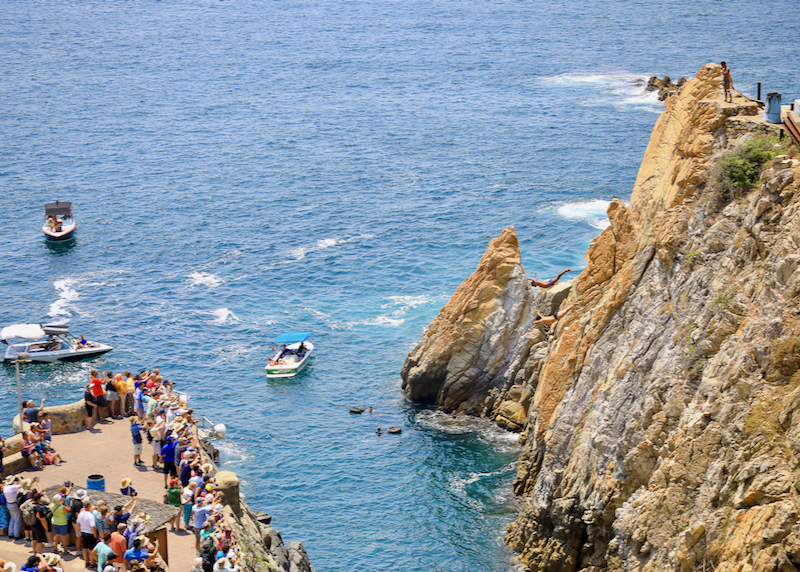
115, 539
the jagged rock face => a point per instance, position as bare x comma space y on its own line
664, 429
479, 355
478, 336
661, 417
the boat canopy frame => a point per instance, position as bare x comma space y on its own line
292, 337
58, 208
33, 332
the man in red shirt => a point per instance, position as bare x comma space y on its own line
98, 392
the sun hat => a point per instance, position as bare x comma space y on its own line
109, 568
222, 563
25, 484
125, 482
135, 522
80, 494
58, 497
10, 567
10, 479
51, 559
144, 517
207, 467
175, 406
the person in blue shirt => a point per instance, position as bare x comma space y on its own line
137, 553
136, 433
168, 454
137, 398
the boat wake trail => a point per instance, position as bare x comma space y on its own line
64, 306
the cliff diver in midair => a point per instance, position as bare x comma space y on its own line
544, 285
557, 315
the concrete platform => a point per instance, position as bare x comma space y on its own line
107, 451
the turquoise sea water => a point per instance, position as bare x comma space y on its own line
243, 168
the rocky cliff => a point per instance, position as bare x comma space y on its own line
661, 416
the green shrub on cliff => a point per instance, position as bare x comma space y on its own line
742, 166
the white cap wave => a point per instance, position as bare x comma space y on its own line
592, 212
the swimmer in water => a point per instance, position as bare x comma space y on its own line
378, 432
544, 285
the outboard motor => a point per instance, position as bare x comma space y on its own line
219, 430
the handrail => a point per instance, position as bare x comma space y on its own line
792, 128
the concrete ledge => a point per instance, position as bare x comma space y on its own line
12, 445
15, 463
69, 418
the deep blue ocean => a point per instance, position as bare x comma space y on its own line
242, 168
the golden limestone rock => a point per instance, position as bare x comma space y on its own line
480, 339
661, 416
661, 430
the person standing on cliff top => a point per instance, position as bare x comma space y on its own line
726, 82
545, 284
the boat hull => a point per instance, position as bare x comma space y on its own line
67, 233
290, 369
59, 356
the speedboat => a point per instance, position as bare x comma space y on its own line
58, 222
292, 357
51, 344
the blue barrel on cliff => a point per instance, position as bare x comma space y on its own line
772, 112
96, 483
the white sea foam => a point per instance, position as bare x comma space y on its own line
458, 485
593, 212
235, 352
620, 89
67, 296
382, 321
233, 454
300, 252
327, 319
204, 279
224, 316
401, 305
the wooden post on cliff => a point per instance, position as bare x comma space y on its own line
758, 97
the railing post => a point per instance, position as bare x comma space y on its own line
759, 91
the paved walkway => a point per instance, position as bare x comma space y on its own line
107, 451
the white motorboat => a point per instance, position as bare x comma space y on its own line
58, 222
48, 344
292, 357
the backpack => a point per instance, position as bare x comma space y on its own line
28, 514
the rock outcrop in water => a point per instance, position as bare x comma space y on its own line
480, 351
662, 418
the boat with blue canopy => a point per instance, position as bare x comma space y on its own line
292, 357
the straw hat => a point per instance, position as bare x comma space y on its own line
25, 484
10, 479
144, 517
51, 559
222, 564
207, 467
125, 482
